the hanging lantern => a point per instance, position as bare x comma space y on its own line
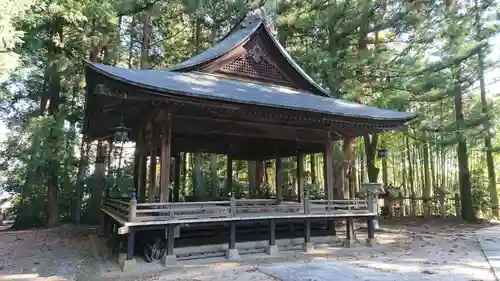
120, 136
382, 153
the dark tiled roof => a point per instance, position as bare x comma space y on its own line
239, 35
207, 86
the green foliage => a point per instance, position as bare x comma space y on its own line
403, 56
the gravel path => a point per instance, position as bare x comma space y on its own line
56, 254
436, 250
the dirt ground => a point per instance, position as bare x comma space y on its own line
431, 249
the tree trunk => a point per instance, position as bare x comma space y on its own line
487, 123
215, 178
427, 180
198, 176
80, 178
252, 178
54, 104
410, 168
146, 38
371, 150
313, 169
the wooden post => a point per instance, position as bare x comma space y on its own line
349, 235
132, 207
300, 176
232, 235
170, 240
328, 159
152, 173
165, 160
307, 231
371, 227
272, 232
230, 173
105, 224
130, 243
279, 181
232, 205
306, 201
141, 193
370, 223
177, 177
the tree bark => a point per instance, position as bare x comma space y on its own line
214, 176
313, 169
146, 38
80, 178
487, 121
55, 100
371, 150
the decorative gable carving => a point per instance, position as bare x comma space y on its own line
253, 62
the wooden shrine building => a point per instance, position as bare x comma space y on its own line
244, 97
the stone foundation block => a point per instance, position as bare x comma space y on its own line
232, 254
128, 265
121, 257
308, 247
272, 250
169, 260
371, 242
350, 243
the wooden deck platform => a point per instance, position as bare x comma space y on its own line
133, 214
124, 219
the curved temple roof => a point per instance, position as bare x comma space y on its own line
241, 33
212, 87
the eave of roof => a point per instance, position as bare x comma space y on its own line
211, 87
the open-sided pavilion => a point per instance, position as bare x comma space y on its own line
245, 97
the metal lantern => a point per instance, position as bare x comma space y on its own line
120, 136
382, 153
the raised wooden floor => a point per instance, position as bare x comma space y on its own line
127, 218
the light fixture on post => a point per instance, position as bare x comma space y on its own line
382, 153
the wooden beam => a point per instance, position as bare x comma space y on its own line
187, 124
165, 160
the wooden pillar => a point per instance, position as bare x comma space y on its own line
328, 162
165, 160
279, 181
137, 157
141, 194
307, 231
272, 232
177, 177
350, 241
371, 227
300, 176
152, 174
232, 235
170, 240
130, 244
229, 183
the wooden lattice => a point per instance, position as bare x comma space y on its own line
248, 66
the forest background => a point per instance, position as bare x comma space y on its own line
439, 59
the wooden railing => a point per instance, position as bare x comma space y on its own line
136, 212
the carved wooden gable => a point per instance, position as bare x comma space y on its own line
252, 61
